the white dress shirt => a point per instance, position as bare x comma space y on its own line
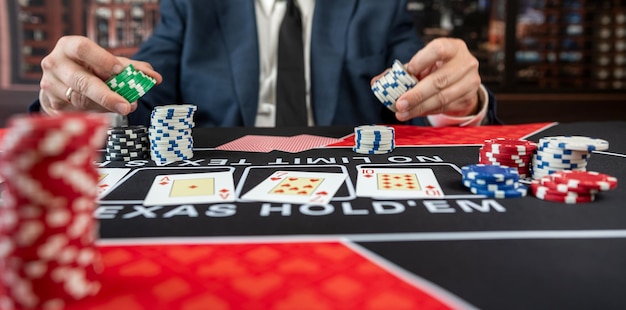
269, 16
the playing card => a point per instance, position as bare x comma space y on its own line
108, 177
402, 183
252, 143
260, 143
297, 187
305, 142
192, 188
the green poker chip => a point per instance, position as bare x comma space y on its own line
131, 83
136, 88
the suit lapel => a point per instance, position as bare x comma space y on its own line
328, 47
238, 22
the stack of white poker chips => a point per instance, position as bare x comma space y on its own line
393, 84
170, 133
373, 139
48, 255
561, 153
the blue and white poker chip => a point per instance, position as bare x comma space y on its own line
491, 186
575, 143
549, 157
490, 173
170, 133
374, 139
393, 84
518, 192
493, 181
560, 153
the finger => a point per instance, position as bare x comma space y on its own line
87, 53
441, 79
442, 50
90, 92
441, 63
446, 98
49, 95
426, 72
145, 68
133, 106
79, 63
458, 71
463, 106
48, 103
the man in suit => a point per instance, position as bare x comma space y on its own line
220, 55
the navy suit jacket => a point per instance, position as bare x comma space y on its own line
207, 53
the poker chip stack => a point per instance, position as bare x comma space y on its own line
47, 230
373, 139
170, 133
514, 153
493, 181
1, 188
572, 186
131, 83
393, 84
561, 153
127, 143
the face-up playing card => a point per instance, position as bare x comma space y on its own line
108, 177
297, 187
402, 183
192, 188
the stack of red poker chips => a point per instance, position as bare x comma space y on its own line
570, 186
513, 153
47, 230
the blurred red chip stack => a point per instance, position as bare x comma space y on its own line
47, 230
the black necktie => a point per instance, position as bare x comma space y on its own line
290, 84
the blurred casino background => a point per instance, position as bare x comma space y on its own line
546, 60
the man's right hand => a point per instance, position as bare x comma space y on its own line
78, 63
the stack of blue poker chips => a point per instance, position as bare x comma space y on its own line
393, 84
493, 181
170, 133
562, 153
373, 139
127, 143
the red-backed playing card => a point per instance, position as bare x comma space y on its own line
294, 144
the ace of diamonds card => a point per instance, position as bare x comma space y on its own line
108, 177
401, 183
297, 187
193, 188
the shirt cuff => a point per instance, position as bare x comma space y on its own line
442, 120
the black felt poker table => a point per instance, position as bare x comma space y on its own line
457, 251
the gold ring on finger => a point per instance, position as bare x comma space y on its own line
68, 94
